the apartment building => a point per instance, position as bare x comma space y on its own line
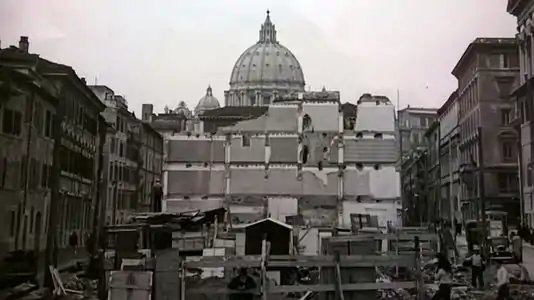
133, 155
522, 96
486, 73
36, 95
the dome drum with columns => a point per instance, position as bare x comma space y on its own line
265, 71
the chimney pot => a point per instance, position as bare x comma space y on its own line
24, 44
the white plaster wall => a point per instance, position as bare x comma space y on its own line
385, 211
281, 207
384, 183
181, 205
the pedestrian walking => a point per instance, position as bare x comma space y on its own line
517, 247
73, 241
477, 268
457, 227
503, 279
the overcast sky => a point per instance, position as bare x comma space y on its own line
166, 51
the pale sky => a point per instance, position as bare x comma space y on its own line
166, 51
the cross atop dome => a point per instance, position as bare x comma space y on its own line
268, 30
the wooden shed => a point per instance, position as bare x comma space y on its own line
279, 234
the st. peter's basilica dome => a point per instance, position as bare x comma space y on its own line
264, 71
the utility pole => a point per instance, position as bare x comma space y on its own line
98, 204
55, 207
481, 188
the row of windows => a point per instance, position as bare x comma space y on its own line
468, 98
414, 121
76, 112
76, 163
122, 173
42, 121
34, 226
13, 174
121, 199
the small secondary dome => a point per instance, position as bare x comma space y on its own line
182, 109
207, 102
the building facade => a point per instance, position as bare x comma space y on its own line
312, 157
524, 103
151, 167
25, 195
413, 124
34, 183
133, 159
449, 164
486, 73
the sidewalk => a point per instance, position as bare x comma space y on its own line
527, 245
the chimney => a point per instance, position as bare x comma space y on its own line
24, 44
83, 80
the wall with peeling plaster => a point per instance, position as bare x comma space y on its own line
195, 150
254, 152
267, 175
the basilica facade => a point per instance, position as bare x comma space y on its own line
277, 151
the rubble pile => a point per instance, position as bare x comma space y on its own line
79, 287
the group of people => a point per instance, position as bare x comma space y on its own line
478, 264
476, 261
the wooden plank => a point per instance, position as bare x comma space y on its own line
390, 236
314, 288
129, 287
305, 261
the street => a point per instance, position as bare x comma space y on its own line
528, 258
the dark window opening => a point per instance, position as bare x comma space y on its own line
304, 154
245, 141
378, 136
307, 123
